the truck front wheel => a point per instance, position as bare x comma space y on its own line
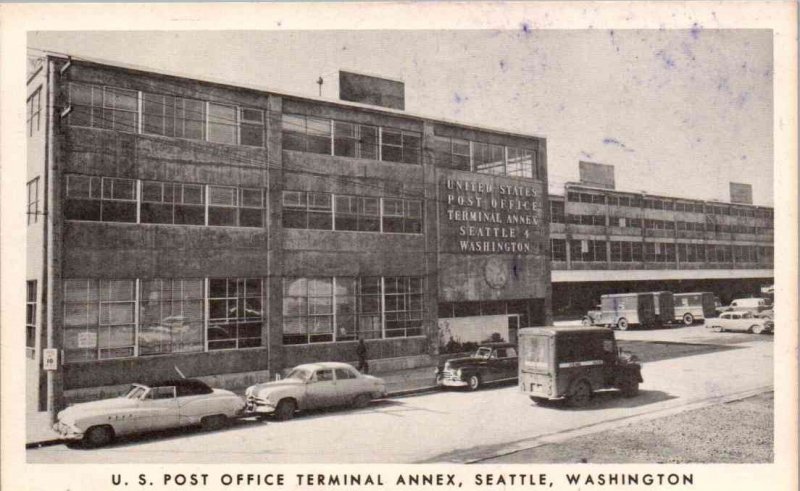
622, 324
629, 387
579, 394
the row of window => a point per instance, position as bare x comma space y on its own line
669, 205
157, 114
332, 137
110, 199
325, 211
333, 309
557, 216
484, 158
655, 252
106, 319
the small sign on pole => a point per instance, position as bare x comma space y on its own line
50, 359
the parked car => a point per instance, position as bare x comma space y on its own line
314, 386
740, 321
570, 363
167, 404
489, 363
592, 317
752, 305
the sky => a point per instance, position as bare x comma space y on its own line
677, 112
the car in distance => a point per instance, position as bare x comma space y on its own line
313, 386
740, 321
570, 363
753, 305
493, 362
167, 404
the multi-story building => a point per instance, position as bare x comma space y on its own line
231, 232
608, 241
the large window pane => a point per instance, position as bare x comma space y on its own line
222, 123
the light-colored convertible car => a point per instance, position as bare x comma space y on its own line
314, 386
168, 404
740, 321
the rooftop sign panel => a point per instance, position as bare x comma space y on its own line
375, 91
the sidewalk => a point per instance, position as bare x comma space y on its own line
399, 383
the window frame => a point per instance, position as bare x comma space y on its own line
32, 213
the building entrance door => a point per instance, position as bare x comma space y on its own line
513, 327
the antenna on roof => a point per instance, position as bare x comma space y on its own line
320, 82
179, 371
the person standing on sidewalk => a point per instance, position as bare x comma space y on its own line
361, 351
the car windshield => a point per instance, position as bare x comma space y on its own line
135, 392
299, 374
483, 353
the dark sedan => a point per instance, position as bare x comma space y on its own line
489, 363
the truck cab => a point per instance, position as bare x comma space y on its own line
570, 363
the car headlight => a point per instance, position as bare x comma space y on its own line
458, 373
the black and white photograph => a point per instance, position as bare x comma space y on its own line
519, 241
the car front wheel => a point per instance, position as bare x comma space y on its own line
688, 319
285, 410
362, 400
757, 329
622, 324
716, 328
97, 436
586, 321
474, 382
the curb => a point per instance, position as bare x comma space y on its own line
44, 443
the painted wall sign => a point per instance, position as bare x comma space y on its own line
490, 217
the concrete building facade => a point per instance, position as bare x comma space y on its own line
231, 233
608, 241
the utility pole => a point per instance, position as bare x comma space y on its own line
320, 82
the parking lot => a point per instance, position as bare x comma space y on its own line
683, 367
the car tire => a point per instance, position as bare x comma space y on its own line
474, 382
688, 319
214, 422
579, 394
756, 329
362, 400
285, 409
622, 324
586, 321
629, 387
98, 436
716, 328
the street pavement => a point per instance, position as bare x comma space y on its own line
455, 426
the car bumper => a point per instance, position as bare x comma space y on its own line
67, 432
257, 407
449, 381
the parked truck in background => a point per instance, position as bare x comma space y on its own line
693, 306
627, 310
663, 307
